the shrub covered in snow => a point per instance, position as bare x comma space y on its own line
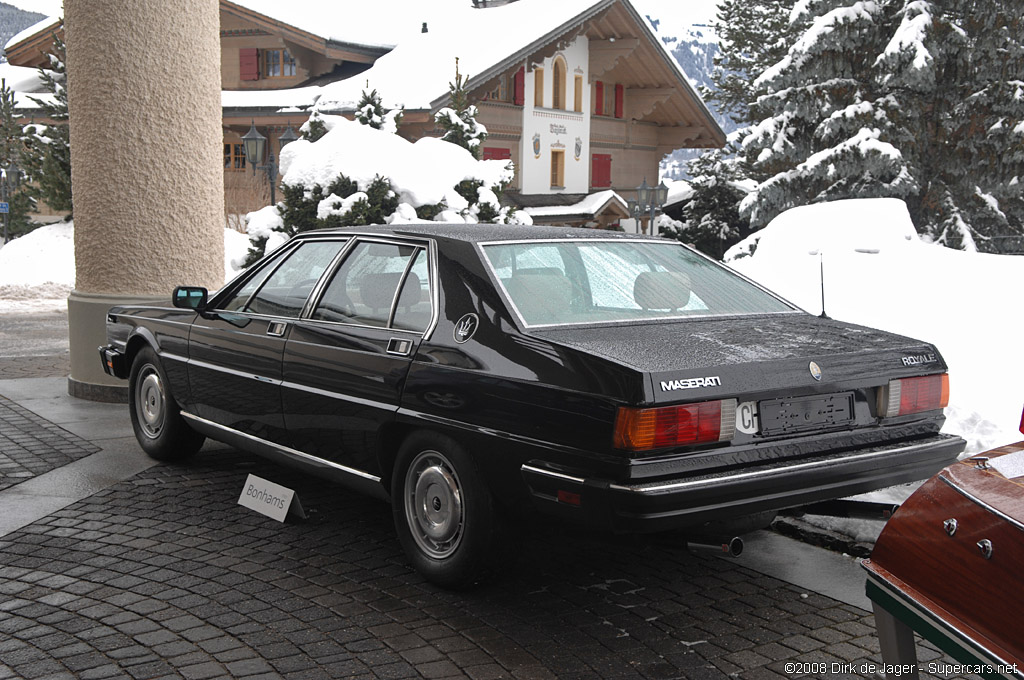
356, 174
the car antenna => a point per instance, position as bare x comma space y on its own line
821, 276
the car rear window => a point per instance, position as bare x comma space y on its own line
594, 281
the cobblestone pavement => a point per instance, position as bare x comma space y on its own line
50, 366
30, 445
166, 576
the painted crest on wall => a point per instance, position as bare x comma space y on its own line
536, 145
579, 147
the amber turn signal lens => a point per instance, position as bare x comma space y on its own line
643, 429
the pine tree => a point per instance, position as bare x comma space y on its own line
752, 36
370, 111
11, 151
459, 119
824, 131
710, 218
48, 147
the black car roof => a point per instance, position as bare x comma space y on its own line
476, 233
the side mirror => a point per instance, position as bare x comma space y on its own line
190, 297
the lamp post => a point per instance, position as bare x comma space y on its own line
648, 200
255, 145
10, 178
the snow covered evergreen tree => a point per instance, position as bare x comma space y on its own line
459, 119
48, 148
370, 111
915, 99
824, 131
752, 36
710, 217
12, 146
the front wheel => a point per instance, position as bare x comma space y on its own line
159, 428
443, 512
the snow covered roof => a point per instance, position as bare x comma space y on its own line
21, 79
416, 73
590, 206
295, 99
383, 23
39, 27
418, 70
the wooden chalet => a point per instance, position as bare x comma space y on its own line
580, 94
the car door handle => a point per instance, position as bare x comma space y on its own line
399, 346
277, 328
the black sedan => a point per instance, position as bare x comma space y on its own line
473, 373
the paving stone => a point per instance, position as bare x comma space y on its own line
164, 575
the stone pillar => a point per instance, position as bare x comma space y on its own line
146, 163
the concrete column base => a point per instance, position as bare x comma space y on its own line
87, 329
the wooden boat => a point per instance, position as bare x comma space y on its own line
949, 566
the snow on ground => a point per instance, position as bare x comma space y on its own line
879, 273
37, 271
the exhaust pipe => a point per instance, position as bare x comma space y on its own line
851, 509
730, 547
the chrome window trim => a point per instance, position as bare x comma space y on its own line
496, 281
428, 244
231, 290
284, 449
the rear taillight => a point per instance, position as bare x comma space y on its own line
642, 429
913, 395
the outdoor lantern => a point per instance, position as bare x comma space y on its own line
13, 176
661, 194
643, 193
255, 145
286, 138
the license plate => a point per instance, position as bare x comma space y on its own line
801, 414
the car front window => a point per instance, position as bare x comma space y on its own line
594, 281
283, 291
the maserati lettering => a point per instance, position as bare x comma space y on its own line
690, 383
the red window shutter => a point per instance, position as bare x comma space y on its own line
601, 170
519, 83
249, 63
619, 92
496, 153
598, 98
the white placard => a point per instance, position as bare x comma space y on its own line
1010, 466
265, 497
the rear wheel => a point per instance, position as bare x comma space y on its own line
161, 431
443, 512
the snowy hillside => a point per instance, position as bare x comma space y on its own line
694, 46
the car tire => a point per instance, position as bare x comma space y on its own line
161, 431
443, 511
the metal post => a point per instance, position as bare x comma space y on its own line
3, 199
270, 167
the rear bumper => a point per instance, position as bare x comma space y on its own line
114, 363
691, 501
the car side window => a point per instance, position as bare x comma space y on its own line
363, 290
284, 291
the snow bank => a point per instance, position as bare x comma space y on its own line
37, 271
879, 273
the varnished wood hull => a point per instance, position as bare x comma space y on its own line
950, 563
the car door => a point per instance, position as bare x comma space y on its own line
236, 348
346, 362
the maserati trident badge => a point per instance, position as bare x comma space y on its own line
465, 327
815, 371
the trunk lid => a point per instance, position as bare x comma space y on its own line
752, 357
